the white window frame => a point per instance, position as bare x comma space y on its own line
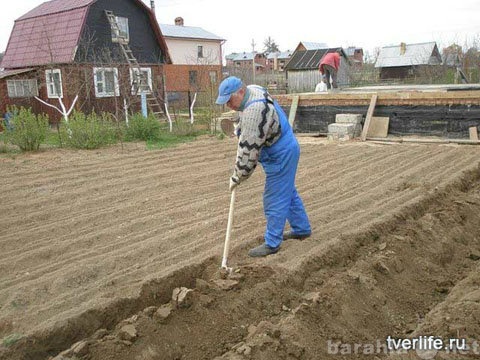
16, 88
50, 81
102, 82
122, 23
149, 80
200, 54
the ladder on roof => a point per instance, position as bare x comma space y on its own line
139, 79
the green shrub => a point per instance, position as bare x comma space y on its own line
141, 128
88, 131
27, 130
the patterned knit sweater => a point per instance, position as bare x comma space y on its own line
258, 126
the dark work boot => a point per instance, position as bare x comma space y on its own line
290, 235
262, 250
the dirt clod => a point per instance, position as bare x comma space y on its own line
182, 297
128, 333
163, 312
226, 284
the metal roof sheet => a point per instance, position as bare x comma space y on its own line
192, 32
415, 54
307, 60
314, 45
45, 39
55, 6
8, 73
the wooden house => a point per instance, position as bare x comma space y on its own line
108, 52
407, 60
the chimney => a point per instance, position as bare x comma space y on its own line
403, 48
179, 21
152, 5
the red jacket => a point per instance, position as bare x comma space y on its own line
332, 59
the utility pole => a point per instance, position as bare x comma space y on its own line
253, 60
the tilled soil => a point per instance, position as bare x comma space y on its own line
94, 242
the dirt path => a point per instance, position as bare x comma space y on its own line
90, 238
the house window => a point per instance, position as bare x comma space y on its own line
200, 51
192, 77
106, 82
122, 34
141, 80
54, 83
22, 88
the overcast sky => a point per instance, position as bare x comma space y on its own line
368, 24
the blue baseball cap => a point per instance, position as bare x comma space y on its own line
227, 88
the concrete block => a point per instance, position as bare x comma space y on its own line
332, 136
349, 118
378, 127
341, 129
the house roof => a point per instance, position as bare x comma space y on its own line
313, 45
415, 54
350, 51
306, 60
231, 56
309, 59
280, 55
54, 7
38, 38
242, 56
191, 32
49, 34
8, 73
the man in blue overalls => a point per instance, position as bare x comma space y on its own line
265, 136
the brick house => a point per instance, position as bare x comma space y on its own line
245, 60
197, 60
278, 60
355, 55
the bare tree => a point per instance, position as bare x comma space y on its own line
270, 45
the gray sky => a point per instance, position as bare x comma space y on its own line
368, 24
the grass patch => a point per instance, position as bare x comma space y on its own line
52, 139
11, 339
182, 132
168, 140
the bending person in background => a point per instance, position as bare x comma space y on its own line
329, 66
